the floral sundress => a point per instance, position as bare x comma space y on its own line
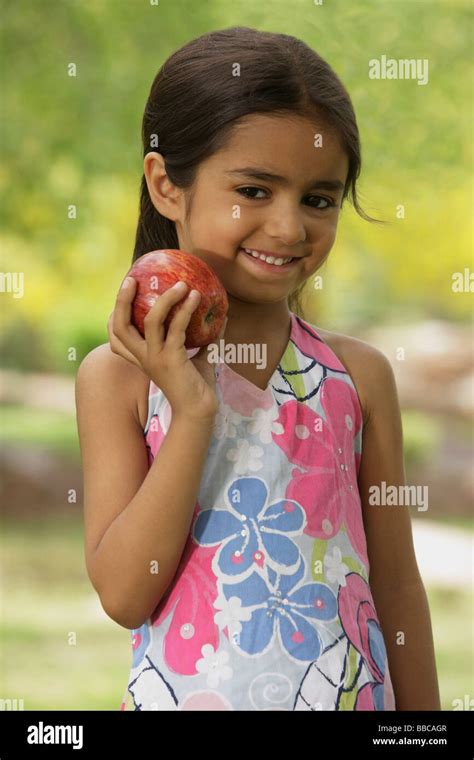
270, 607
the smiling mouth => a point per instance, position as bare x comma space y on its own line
276, 265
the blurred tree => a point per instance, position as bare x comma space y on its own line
75, 141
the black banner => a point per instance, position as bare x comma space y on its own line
85, 733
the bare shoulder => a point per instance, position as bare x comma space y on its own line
369, 368
102, 365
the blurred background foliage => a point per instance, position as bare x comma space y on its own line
76, 140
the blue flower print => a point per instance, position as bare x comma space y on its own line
252, 533
377, 646
378, 696
286, 609
140, 642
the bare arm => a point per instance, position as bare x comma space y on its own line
134, 545
411, 659
397, 588
137, 519
138, 556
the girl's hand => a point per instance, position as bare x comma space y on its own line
188, 384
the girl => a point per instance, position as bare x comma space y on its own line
227, 517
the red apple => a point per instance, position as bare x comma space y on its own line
157, 271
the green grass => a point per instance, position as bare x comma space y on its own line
461, 522
49, 603
60, 650
451, 617
56, 431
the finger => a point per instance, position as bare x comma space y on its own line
117, 346
122, 326
154, 322
176, 336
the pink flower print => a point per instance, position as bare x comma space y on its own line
158, 427
367, 697
191, 599
324, 680
357, 614
323, 447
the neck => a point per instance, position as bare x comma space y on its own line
247, 321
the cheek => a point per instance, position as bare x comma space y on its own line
322, 242
219, 231
323, 238
328, 237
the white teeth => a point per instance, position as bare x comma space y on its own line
267, 259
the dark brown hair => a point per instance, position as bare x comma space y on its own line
195, 101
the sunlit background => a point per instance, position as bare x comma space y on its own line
76, 141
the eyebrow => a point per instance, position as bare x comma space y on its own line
262, 174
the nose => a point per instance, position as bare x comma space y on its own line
286, 224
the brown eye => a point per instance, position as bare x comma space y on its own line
328, 201
242, 191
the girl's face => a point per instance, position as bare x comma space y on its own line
295, 216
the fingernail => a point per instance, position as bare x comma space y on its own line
125, 283
178, 285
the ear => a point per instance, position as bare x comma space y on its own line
166, 197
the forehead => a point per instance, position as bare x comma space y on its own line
283, 145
